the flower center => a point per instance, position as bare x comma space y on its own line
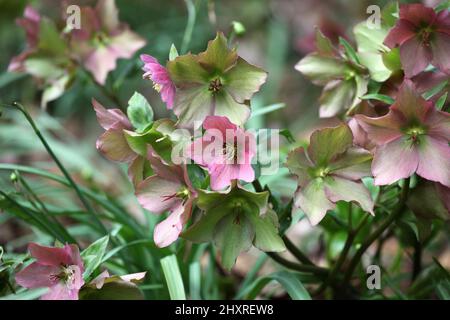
66, 275
415, 132
425, 34
321, 172
183, 194
215, 85
229, 150
101, 39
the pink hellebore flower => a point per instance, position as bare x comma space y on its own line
30, 22
169, 189
412, 138
226, 150
59, 269
160, 77
423, 37
103, 39
112, 143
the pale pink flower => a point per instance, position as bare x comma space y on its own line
226, 150
59, 269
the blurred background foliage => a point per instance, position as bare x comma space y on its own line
278, 34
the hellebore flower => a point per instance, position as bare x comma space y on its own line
226, 151
344, 80
169, 189
235, 219
412, 138
59, 269
30, 22
214, 82
430, 200
423, 37
161, 79
329, 171
103, 39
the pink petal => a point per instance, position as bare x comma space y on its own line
108, 118
220, 123
157, 194
75, 257
383, 129
414, 56
37, 275
126, 44
395, 160
168, 230
221, 175
410, 103
434, 156
113, 144
60, 292
403, 31
417, 14
441, 51
49, 256
438, 123
100, 62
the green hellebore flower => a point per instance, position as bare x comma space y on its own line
235, 219
214, 82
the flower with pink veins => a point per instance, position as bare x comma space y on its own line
168, 190
59, 269
30, 23
423, 37
226, 150
412, 138
103, 39
162, 83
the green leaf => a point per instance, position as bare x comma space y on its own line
444, 5
93, 255
139, 112
380, 97
173, 53
267, 109
322, 69
441, 101
173, 277
288, 135
350, 52
195, 279
287, 280
432, 92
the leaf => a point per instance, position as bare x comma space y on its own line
441, 101
266, 227
267, 109
432, 92
93, 255
117, 290
173, 53
195, 278
287, 280
380, 97
350, 52
139, 112
288, 135
173, 277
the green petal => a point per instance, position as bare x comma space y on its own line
298, 164
326, 144
218, 58
233, 234
225, 105
336, 97
243, 80
193, 105
266, 227
322, 69
186, 70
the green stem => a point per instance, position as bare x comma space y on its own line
189, 26
319, 271
85, 203
296, 252
378, 232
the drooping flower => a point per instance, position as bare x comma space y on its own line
412, 138
236, 219
226, 151
168, 190
59, 269
328, 171
103, 39
214, 82
161, 79
344, 80
30, 23
423, 37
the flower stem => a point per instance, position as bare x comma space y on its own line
379, 231
319, 271
189, 26
296, 252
